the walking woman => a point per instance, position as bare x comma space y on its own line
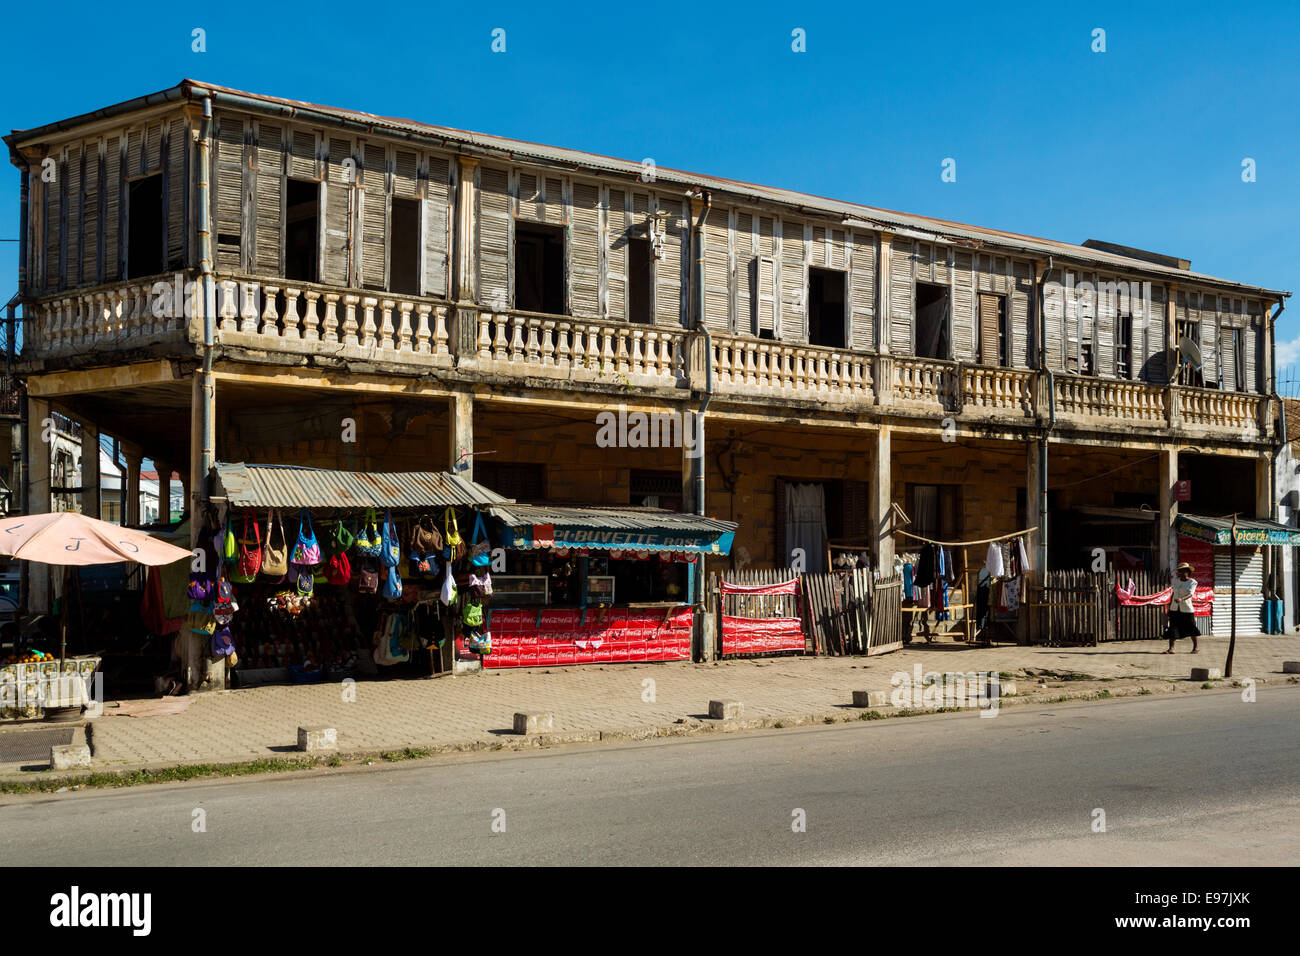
1182, 616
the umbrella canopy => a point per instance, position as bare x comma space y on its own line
70, 538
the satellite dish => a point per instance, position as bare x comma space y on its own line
1190, 350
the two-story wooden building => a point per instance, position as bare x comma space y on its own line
217, 275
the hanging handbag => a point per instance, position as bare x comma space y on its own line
390, 552
306, 550
303, 579
392, 585
229, 547
453, 546
250, 554
343, 538
479, 552
368, 577
338, 570
425, 537
275, 559
448, 587
369, 543
471, 614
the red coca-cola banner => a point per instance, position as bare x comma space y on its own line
749, 635
612, 635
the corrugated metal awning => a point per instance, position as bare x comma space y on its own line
1249, 531
611, 527
292, 486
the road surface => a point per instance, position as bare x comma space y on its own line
1205, 779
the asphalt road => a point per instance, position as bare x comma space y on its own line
1185, 780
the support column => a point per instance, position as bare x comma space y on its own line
460, 432
1166, 537
881, 501
39, 442
464, 341
91, 505
197, 483
131, 502
164, 491
1035, 515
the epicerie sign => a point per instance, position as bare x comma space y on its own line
94, 910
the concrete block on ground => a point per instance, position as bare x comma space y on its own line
1291, 667
316, 739
1005, 688
725, 709
870, 698
534, 723
69, 757
1207, 673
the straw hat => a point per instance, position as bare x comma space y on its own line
1185, 567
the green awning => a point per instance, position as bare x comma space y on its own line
1252, 531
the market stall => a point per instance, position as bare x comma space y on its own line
318, 574
35, 682
1237, 574
580, 585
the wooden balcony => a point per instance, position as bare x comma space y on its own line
412, 335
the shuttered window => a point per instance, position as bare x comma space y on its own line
993, 344
763, 278
374, 219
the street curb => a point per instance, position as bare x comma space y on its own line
685, 727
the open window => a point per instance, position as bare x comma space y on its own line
826, 298
639, 295
1124, 346
539, 269
404, 247
302, 230
933, 338
145, 227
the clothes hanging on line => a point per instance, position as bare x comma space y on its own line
925, 570
993, 562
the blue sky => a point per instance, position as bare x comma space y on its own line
1141, 144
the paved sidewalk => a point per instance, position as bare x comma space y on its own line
475, 711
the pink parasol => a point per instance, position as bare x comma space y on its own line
71, 538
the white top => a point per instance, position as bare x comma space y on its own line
1181, 600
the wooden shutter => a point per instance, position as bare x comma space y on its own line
436, 218
92, 215
494, 251
902, 297
717, 271
989, 328
229, 186
112, 205
269, 212
764, 284
176, 194
668, 273
339, 190
856, 514
374, 219
406, 174
302, 156
617, 233
153, 148
791, 320
584, 244
76, 202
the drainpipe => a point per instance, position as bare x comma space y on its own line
209, 298
1275, 567
1051, 423
697, 463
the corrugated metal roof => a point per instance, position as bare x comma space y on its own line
867, 216
608, 517
292, 486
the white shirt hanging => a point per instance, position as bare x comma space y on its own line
993, 562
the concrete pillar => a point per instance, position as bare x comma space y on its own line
882, 297
39, 432
693, 438
881, 491
196, 480
131, 509
460, 432
1166, 538
164, 490
90, 477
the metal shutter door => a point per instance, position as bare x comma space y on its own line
1250, 591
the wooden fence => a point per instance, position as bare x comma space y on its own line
843, 612
1070, 608
1136, 623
